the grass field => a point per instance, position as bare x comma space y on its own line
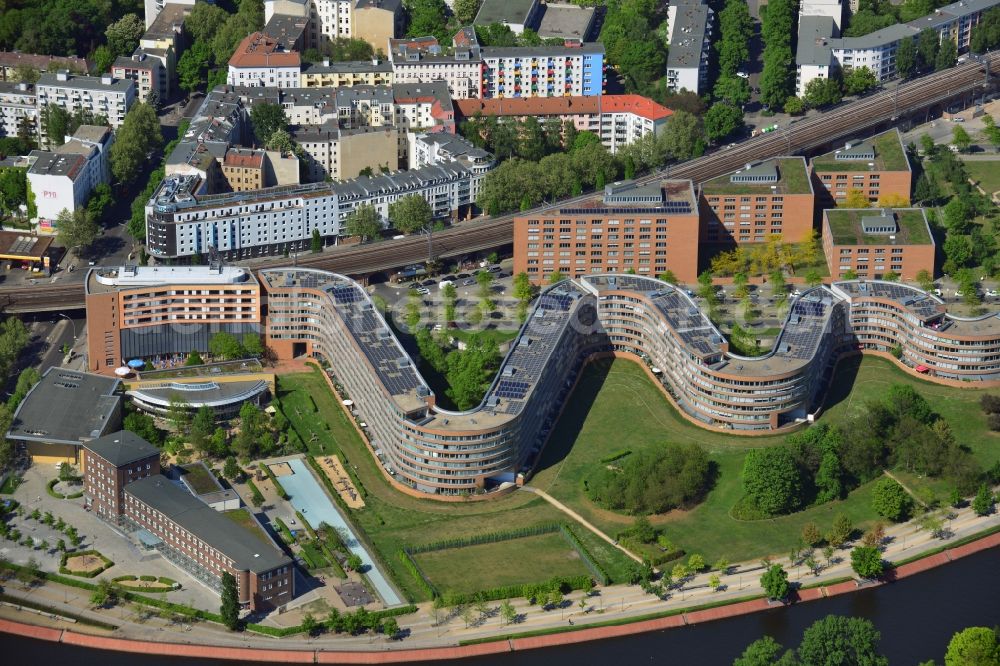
986, 173
529, 559
615, 406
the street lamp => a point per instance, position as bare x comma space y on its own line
72, 323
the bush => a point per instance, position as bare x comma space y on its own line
990, 403
417, 574
107, 564
277, 484
595, 568
772, 480
890, 500
653, 481
615, 455
867, 562
50, 489
256, 497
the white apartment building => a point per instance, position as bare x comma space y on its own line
64, 178
181, 223
444, 147
543, 71
18, 108
421, 60
627, 118
690, 29
262, 61
154, 7
105, 96
820, 49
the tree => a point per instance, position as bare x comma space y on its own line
202, 427
721, 120
252, 345
795, 106
524, 291
836, 640
144, 426
507, 612
856, 198
225, 346
135, 140
983, 502
363, 221
762, 652
310, 625
775, 582
733, 90
974, 646
428, 17
105, 594
123, 35
772, 480
867, 561
681, 135
267, 118
231, 470
193, 64
947, 55
961, 138
860, 80
555, 277
353, 562
316, 242
204, 21
813, 278
890, 500
841, 531
77, 230
390, 627
928, 43
811, 534
906, 58
194, 358
822, 92
410, 214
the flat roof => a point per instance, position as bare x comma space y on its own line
163, 25
846, 226
287, 30
687, 36
815, 34
63, 164
348, 67
101, 280
241, 367
587, 48
121, 448
196, 395
51, 80
247, 549
793, 178
889, 156
504, 11
566, 21
66, 407
23, 246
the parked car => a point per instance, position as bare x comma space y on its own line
743, 75
423, 291
428, 283
469, 282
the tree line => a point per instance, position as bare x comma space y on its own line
826, 461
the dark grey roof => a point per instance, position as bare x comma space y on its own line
566, 21
85, 83
247, 550
542, 51
505, 11
388, 5
687, 36
67, 407
213, 394
121, 448
815, 33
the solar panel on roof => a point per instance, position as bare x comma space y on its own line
511, 390
346, 295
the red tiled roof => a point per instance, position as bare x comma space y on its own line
244, 158
637, 104
260, 50
41, 62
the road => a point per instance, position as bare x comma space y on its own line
848, 120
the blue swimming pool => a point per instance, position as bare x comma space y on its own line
309, 498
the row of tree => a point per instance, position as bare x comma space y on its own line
730, 91
777, 79
61, 27
632, 43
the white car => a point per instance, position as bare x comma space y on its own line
743, 75
423, 291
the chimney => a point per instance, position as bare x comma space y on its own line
326, 62
62, 75
23, 87
106, 79
374, 60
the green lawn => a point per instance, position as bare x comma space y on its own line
200, 479
472, 568
615, 406
986, 173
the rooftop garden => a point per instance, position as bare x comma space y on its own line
889, 156
793, 178
845, 225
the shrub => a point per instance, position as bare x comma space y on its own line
772, 480
256, 497
867, 562
653, 481
277, 484
106, 564
890, 500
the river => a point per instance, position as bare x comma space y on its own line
917, 617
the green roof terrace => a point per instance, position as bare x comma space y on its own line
781, 175
854, 226
889, 155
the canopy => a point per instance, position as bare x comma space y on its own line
122, 371
137, 363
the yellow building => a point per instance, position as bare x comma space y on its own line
64, 410
327, 74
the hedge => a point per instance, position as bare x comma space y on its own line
377, 616
50, 489
415, 571
256, 497
277, 484
308, 528
86, 574
616, 455
489, 537
332, 559
528, 591
286, 534
574, 541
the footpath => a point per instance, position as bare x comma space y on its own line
433, 635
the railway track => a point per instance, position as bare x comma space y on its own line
849, 120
